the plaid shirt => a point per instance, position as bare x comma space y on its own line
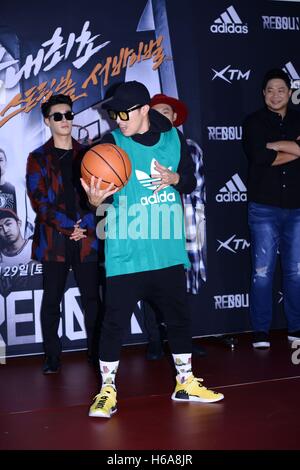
52, 225
195, 226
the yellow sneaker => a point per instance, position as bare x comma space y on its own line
105, 403
193, 390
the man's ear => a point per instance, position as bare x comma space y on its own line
47, 122
174, 116
145, 109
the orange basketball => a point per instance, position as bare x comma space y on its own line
109, 162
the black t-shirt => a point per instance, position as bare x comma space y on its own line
65, 158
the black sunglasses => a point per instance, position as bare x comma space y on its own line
69, 115
123, 115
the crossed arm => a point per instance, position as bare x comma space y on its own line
287, 151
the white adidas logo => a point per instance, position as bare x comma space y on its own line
152, 183
233, 191
157, 198
146, 180
229, 22
293, 74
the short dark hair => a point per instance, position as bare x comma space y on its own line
276, 73
3, 152
6, 213
53, 100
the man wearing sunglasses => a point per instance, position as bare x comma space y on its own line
64, 233
147, 268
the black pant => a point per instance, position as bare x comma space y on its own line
54, 281
153, 325
165, 289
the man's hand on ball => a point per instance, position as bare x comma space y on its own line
96, 195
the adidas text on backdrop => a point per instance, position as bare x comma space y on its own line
105, 403
193, 390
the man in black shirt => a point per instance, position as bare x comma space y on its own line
270, 139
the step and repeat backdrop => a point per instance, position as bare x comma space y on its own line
212, 55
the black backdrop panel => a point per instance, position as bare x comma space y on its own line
216, 56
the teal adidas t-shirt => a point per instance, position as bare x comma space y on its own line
145, 231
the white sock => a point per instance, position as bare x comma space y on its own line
183, 364
108, 372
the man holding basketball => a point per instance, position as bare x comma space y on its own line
64, 233
145, 267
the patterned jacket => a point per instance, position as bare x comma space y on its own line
52, 224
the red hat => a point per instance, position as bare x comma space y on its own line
178, 106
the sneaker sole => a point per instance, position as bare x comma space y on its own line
261, 344
51, 372
197, 399
100, 414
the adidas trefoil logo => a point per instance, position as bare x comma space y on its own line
146, 180
152, 183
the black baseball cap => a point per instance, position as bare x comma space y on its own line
8, 213
127, 95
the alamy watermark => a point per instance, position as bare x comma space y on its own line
2, 352
296, 354
295, 98
155, 220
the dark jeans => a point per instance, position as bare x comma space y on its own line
54, 281
273, 229
163, 288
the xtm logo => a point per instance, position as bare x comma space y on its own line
229, 22
237, 243
232, 74
233, 191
